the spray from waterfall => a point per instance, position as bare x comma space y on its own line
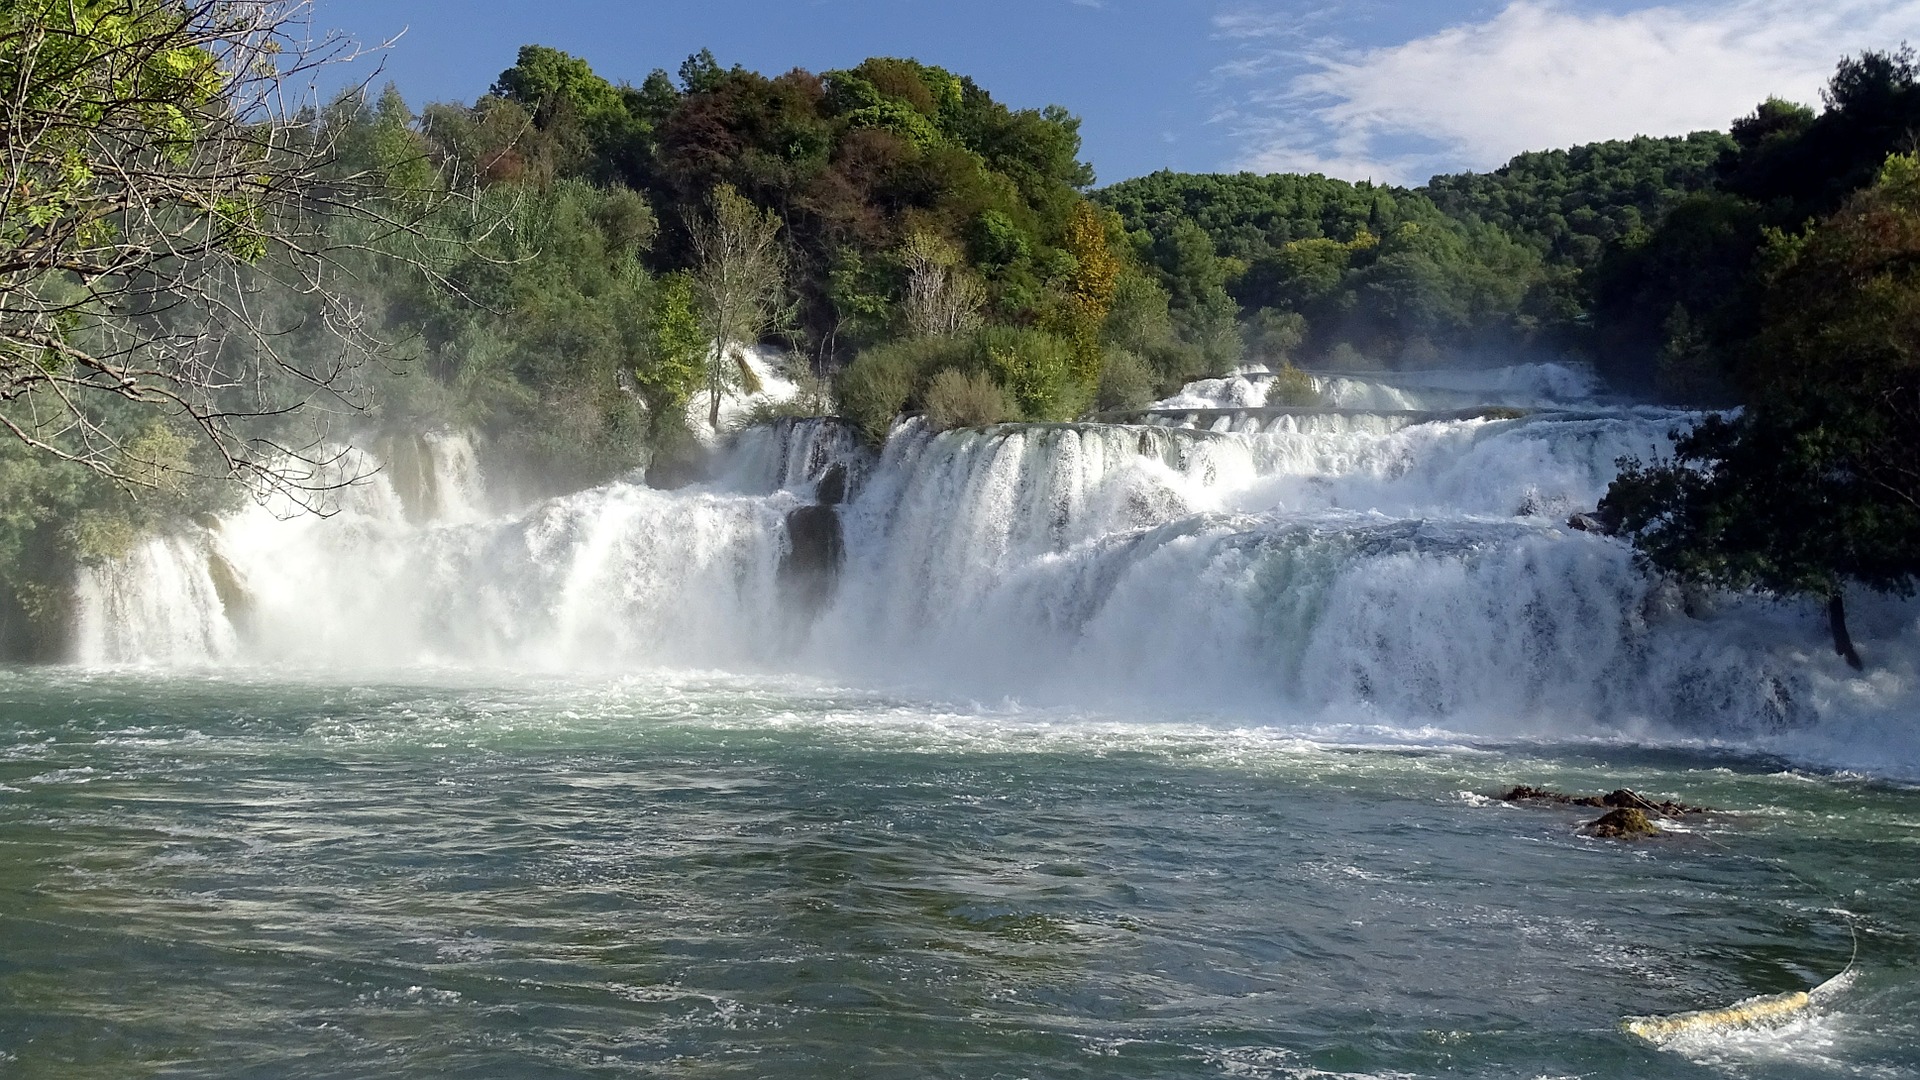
1358, 567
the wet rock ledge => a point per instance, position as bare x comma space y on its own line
1629, 814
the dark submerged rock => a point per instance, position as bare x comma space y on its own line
228, 586
1525, 793
832, 487
1602, 520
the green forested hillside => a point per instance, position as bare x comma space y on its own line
1570, 204
1385, 275
552, 264
1370, 274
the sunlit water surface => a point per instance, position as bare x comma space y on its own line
706, 875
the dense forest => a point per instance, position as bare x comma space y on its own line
572, 266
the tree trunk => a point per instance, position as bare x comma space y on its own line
1837, 622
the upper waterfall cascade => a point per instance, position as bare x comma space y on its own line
1353, 566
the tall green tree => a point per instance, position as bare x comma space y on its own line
1787, 166
677, 348
740, 279
1815, 487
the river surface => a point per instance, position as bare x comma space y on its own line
699, 875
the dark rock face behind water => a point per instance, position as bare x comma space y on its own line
811, 565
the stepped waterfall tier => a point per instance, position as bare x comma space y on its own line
1166, 748
1347, 566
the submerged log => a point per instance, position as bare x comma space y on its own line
1747, 1013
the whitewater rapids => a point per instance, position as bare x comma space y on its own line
1363, 567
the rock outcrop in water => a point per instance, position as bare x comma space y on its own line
815, 546
1626, 823
1620, 799
1597, 522
1629, 814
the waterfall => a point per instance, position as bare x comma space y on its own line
1523, 386
1365, 567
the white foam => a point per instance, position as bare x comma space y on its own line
1395, 576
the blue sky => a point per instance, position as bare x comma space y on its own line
1362, 89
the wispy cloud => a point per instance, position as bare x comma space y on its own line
1537, 74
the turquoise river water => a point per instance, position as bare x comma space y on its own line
706, 875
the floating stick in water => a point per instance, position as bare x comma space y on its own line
1747, 1012
1750, 1012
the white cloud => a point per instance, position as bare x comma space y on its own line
1539, 74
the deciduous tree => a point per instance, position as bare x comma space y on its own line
943, 298
740, 278
1816, 485
158, 197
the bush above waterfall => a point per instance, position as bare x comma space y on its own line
960, 399
1126, 381
1030, 371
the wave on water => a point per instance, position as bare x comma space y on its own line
1368, 568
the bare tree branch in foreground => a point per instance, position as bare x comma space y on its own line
170, 225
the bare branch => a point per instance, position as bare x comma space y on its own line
170, 187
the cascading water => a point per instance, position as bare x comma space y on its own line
1352, 567
1518, 386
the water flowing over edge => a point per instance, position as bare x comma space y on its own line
1365, 567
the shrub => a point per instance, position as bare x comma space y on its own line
874, 388
1034, 368
885, 380
1126, 381
1176, 364
1274, 335
958, 399
1292, 387
1139, 318
1344, 357
1421, 354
